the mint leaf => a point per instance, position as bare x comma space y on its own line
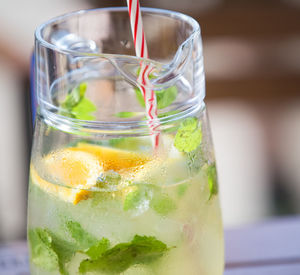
138, 199
146, 196
83, 239
162, 204
195, 161
50, 251
139, 97
127, 114
164, 98
83, 109
64, 249
95, 251
188, 136
73, 98
141, 250
148, 248
212, 180
42, 253
76, 105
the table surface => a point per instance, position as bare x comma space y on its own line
268, 248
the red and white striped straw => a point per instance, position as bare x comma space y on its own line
141, 50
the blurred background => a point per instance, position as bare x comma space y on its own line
252, 63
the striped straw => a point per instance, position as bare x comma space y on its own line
142, 51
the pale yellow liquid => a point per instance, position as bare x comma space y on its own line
194, 228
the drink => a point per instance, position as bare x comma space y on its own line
102, 198
130, 193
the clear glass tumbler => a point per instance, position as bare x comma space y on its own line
102, 198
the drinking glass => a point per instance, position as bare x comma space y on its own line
103, 198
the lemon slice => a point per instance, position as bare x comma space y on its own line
113, 159
67, 194
74, 169
77, 169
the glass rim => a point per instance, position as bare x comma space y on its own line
139, 127
168, 13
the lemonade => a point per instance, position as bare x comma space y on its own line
95, 209
122, 172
